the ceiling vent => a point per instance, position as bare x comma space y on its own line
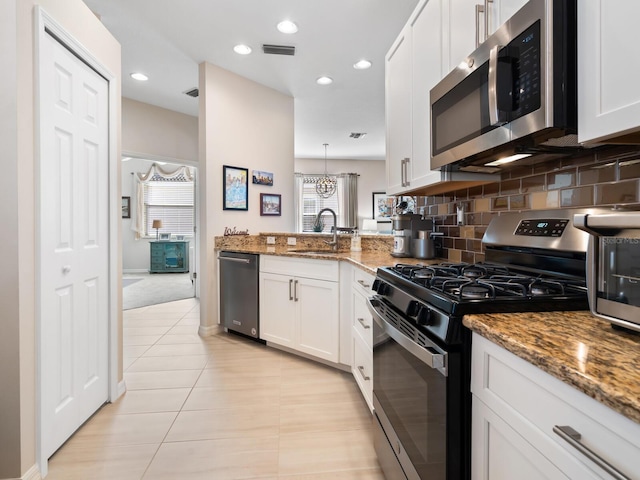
357, 135
278, 50
194, 92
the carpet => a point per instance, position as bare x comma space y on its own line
129, 281
143, 289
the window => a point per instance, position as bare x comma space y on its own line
169, 200
312, 204
308, 203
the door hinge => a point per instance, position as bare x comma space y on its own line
195, 274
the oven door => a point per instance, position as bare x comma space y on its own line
411, 382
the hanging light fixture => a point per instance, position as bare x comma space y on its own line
326, 186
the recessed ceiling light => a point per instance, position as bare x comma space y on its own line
324, 81
287, 26
242, 49
362, 65
141, 77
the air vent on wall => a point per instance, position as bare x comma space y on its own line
278, 49
194, 92
357, 134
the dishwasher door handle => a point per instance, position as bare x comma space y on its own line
233, 259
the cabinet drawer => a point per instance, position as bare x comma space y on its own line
363, 368
363, 281
362, 320
527, 397
301, 267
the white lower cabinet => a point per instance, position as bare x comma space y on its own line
362, 334
517, 407
299, 305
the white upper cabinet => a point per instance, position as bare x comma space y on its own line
428, 68
608, 94
398, 111
414, 65
499, 11
466, 29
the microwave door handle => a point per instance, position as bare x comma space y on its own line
494, 113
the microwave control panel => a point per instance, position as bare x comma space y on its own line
540, 227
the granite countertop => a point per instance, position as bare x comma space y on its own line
575, 347
368, 261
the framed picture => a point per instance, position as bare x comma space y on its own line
235, 188
262, 178
165, 236
126, 207
180, 237
382, 206
270, 204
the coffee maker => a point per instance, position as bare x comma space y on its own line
405, 229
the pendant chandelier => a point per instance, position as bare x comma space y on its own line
326, 186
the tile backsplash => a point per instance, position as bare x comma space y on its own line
605, 177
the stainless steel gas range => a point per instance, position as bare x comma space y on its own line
534, 261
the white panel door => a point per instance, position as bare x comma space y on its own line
73, 254
317, 303
277, 309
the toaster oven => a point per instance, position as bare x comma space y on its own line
613, 266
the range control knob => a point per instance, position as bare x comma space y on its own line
424, 317
413, 309
380, 287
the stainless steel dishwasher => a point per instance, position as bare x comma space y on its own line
239, 293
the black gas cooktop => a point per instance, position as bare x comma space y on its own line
462, 288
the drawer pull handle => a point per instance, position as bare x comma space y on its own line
572, 437
365, 285
361, 370
364, 325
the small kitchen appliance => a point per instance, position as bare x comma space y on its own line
534, 261
405, 229
613, 265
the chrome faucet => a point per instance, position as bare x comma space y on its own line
334, 242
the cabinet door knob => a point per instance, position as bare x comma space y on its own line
66, 269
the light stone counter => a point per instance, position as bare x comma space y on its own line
375, 248
575, 347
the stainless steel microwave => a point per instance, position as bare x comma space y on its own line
613, 266
513, 93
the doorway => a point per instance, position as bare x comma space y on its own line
159, 264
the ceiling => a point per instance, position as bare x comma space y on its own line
167, 39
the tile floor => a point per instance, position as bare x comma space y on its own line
218, 408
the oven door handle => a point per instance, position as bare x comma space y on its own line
429, 354
607, 224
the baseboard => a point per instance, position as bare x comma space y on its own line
135, 270
122, 388
32, 474
209, 330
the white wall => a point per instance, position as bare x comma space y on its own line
371, 178
18, 211
157, 133
242, 124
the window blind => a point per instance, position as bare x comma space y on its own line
172, 202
